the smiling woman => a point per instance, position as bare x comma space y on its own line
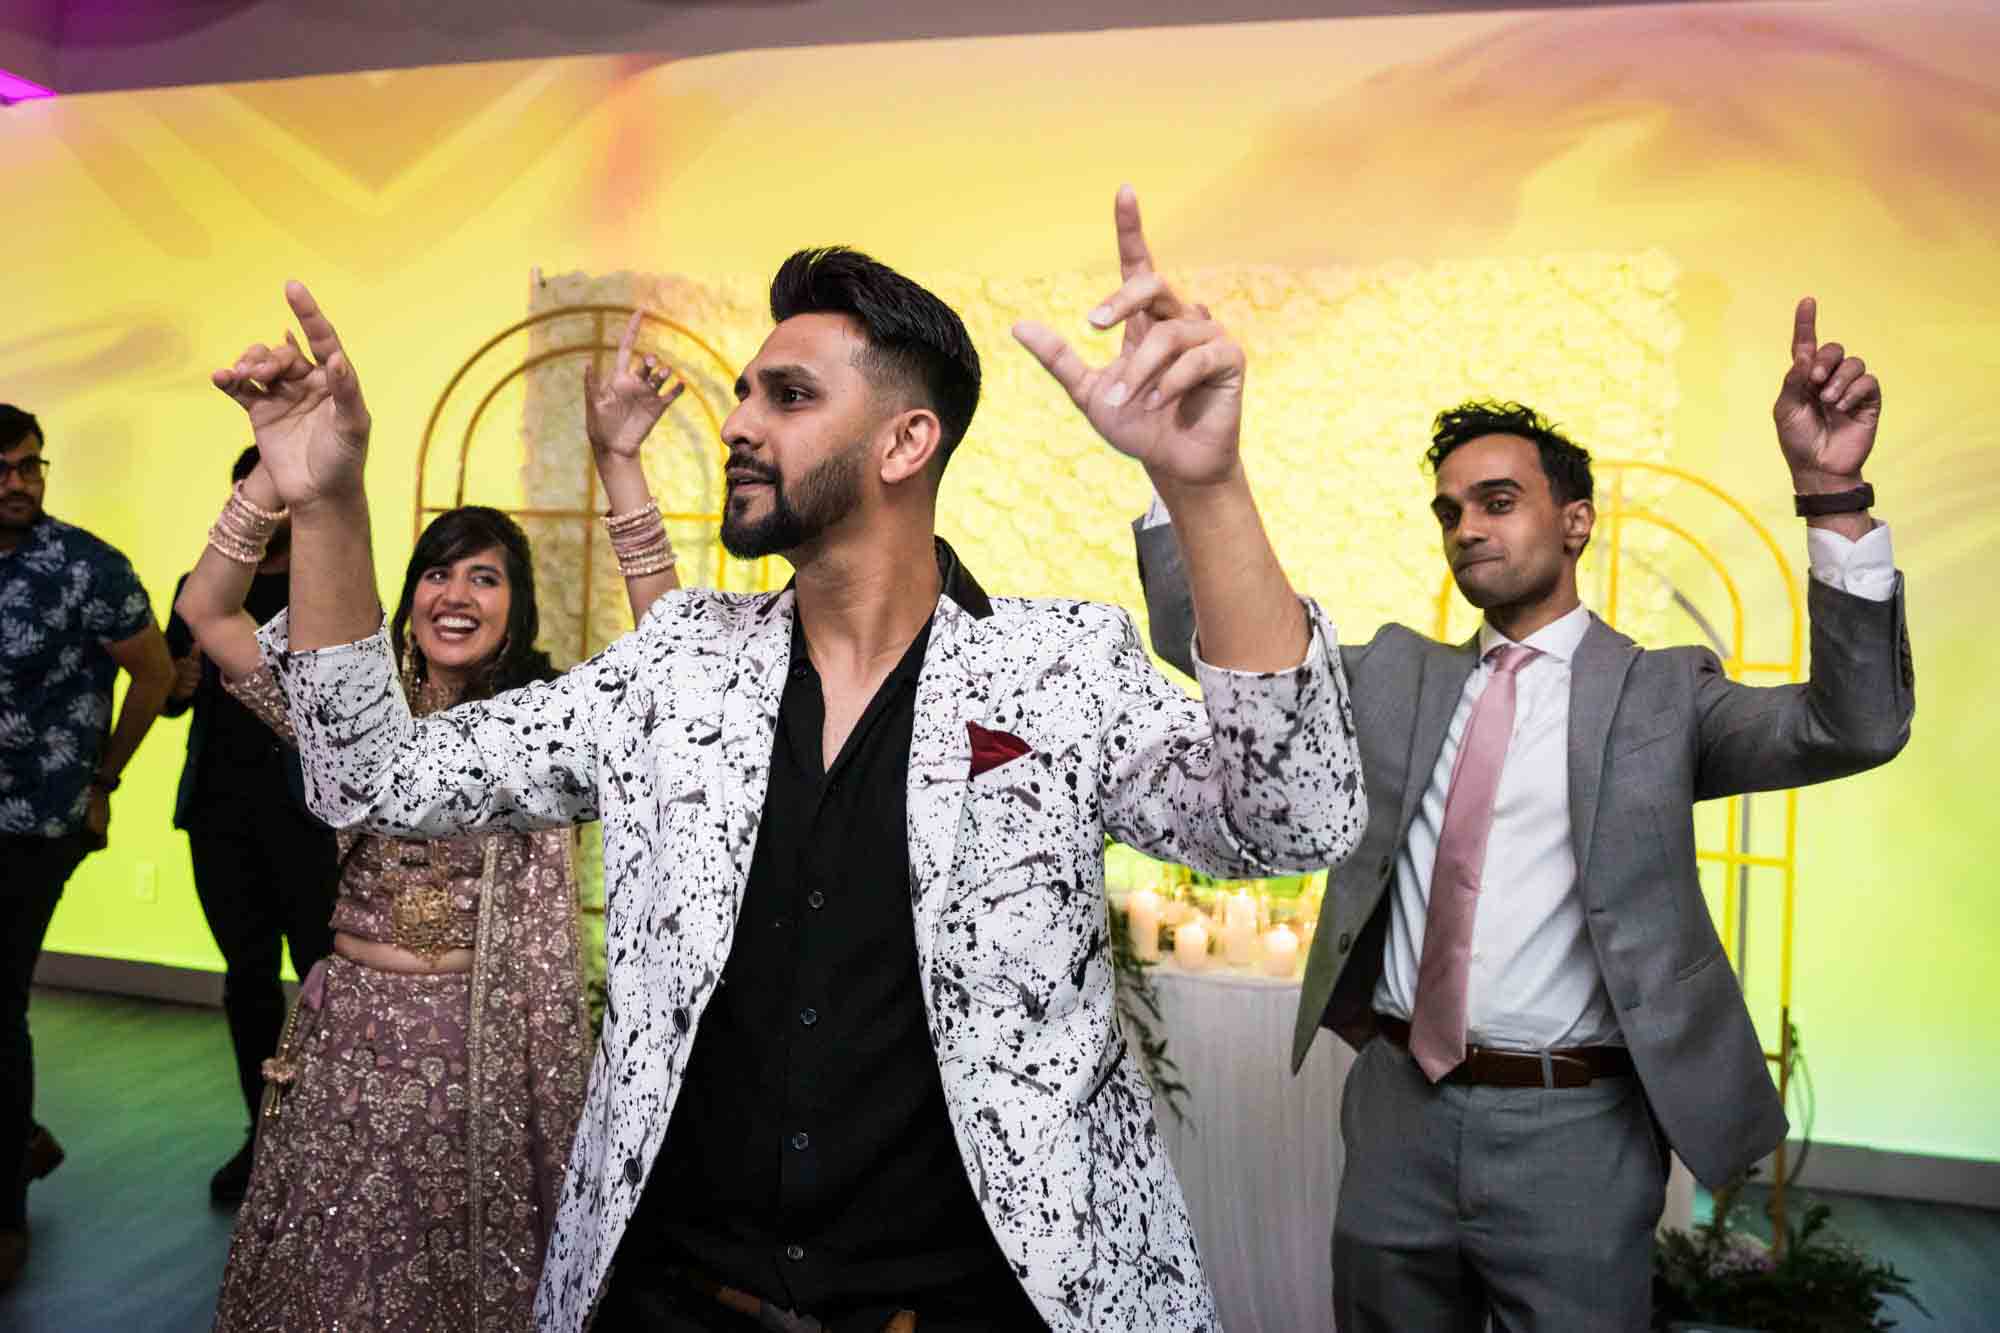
467, 622
479, 1079
433, 1067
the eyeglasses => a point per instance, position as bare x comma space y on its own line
29, 470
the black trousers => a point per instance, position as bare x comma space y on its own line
265, 874
35, 870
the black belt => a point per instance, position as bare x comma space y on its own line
1573, 1067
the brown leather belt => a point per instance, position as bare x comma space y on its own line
1574, 1067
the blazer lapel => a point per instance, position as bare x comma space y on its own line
1596, 679
750, 724
1441, 681
940, 766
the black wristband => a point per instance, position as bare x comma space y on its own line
1839, 502
100, 783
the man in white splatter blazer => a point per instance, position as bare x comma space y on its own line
859, 1067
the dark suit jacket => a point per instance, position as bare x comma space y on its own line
180, 642
1651, 731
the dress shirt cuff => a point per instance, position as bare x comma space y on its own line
1156, 515
1865, 567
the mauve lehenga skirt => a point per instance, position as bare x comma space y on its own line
357, 1216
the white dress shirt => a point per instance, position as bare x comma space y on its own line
1534, 981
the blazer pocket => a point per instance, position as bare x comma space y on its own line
1008, 770
1693, 970
1026, 771
993, 749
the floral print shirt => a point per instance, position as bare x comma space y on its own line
64, 595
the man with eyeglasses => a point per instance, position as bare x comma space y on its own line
72, 615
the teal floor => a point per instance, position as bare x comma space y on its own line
143, 1096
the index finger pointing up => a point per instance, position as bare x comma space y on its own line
627, 343
1805, 329
320, 336
1133, 256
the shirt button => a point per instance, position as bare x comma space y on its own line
801, 1141
1346, 942
633, 1171
781, 923
809, 1016
795, 1252
1383, 867
815, 900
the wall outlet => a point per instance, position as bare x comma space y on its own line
146, 882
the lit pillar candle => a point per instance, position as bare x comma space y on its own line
1239, 928
1191, 945
1142, 916
1281, 952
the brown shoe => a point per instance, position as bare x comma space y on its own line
13, 1254
43, 1156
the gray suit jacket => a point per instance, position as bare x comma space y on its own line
1651, 732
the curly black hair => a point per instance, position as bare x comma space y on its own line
1566, 463
452, 536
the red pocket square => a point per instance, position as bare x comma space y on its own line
990, 749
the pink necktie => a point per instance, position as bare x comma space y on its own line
1437, 1028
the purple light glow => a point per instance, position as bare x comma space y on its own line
14, 88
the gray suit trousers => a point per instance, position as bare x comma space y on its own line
1536, 1206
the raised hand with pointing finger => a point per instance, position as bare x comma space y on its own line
1827, 410
1173, 399
619, 412
621, 409
1173, 396
306, 411
312, 426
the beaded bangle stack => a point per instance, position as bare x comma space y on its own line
243, 530
639, 540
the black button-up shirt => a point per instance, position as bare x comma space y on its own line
811, 1159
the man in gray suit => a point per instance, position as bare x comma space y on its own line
1519, 948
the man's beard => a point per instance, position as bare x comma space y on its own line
20, 517
827, 494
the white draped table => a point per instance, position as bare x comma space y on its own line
1260, 1155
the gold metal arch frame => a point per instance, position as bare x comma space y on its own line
607, 321
1617, 514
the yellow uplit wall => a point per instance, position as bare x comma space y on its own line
1608, 213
